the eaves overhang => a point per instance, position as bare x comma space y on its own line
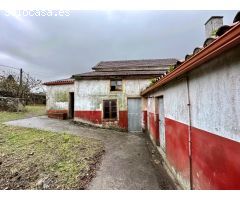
228, 40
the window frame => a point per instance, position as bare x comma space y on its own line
110, 118
116, 80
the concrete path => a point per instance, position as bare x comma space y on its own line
126, 163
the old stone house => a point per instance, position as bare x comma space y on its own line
107, 96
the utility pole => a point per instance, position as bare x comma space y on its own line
20, 82
21, 73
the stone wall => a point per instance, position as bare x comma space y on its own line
11, 104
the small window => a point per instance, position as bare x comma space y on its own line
116, 85
110, 109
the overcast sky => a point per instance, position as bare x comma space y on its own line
57, 47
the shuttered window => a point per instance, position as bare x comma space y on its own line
110, 109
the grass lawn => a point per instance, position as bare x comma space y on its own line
35, 159
31, 111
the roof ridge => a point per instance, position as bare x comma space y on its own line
60, 81
136, 63
148, 59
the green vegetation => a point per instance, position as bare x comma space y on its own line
61, 96
30, 111
32, 159
171, 68
153, 81
213, 34
36, 159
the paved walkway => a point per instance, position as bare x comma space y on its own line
126, 163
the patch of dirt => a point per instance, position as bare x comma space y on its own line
86, 180
33, 176
88, 125
164, 180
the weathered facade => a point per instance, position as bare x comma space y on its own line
192, 115
102, 97
57, 96
90, 95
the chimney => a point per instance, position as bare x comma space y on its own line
212, 25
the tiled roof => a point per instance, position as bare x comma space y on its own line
60, 82
150, 68
237, 17
208, 43
104, 74
136, 63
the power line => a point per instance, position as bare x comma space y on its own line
9, 67
27, 73
36, 73
19, 69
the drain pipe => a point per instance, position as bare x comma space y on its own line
189, 133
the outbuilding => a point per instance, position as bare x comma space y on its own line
193, 114
59, 98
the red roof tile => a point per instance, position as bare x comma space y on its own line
60, 82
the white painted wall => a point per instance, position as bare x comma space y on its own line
214, 90
175, 101
58, 96
134, 87
215, 96
89, 94
151, 104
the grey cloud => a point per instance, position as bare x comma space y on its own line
57, 47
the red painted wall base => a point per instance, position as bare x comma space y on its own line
57, 114
91, 116
176, 135
96, 118
123, 119
215, 159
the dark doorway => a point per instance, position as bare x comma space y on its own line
71, 105
161, 122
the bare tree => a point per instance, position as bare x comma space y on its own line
10, 84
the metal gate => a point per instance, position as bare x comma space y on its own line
161, 123
134, 115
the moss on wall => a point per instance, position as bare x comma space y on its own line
61, 96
